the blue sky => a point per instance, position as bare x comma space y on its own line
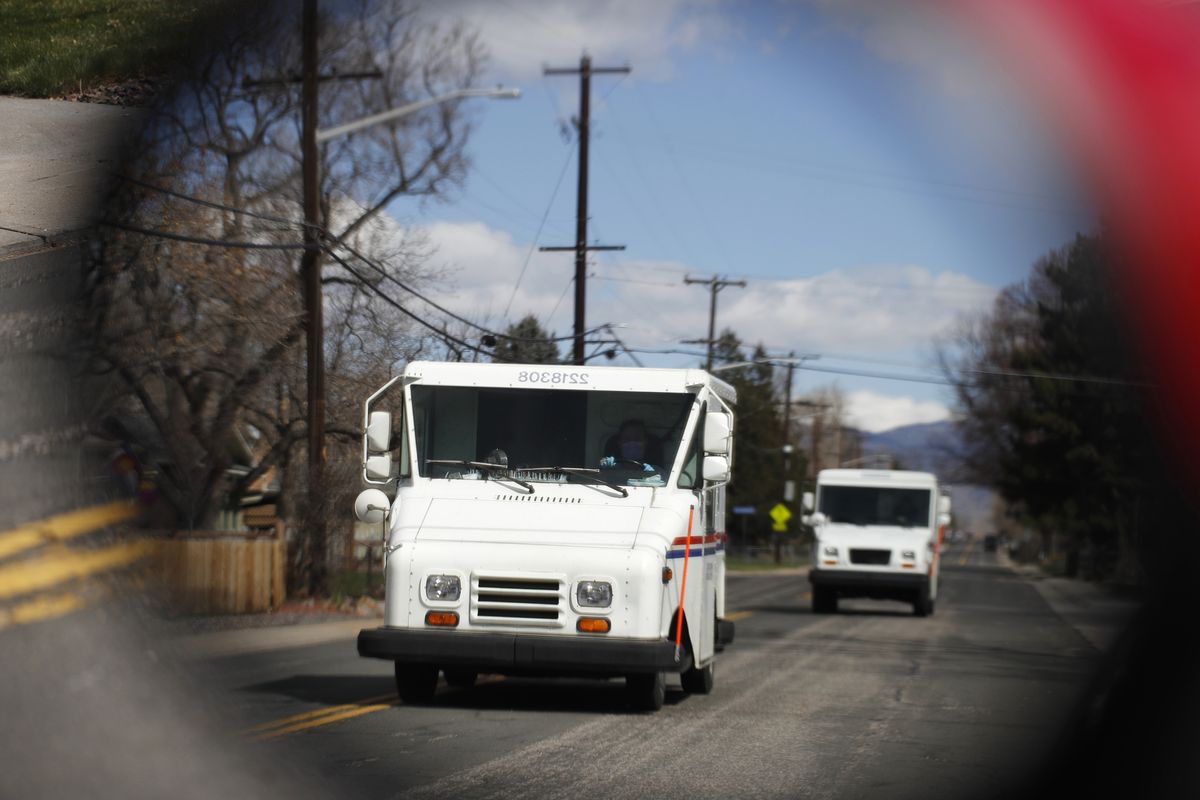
862, 166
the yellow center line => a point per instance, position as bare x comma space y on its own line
62, 527
55, 568
329, 719
734, 616
41, 609
962, 561
320, 712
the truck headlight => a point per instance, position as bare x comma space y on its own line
830, 550
443, 587
594, 594
908, 555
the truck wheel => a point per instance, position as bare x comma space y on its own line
923, 605
824, 600
646, 690
697, 681
460, 678
416, 683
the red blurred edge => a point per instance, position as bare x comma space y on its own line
1120, 81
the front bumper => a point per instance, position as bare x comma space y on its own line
520, 652
867, 582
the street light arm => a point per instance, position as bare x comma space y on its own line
326, 134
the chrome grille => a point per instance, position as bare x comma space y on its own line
515, 599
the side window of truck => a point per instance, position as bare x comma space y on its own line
689, 476
400, 441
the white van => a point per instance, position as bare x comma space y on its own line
877, 534
550, 520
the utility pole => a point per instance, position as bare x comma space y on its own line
715, 285
585, 72
310, 269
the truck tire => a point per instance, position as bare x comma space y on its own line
923, 605
646, 690
697, 681
416, 683
824, 600
460, 678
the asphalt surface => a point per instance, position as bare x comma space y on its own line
870, 702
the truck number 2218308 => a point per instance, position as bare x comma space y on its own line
556, 377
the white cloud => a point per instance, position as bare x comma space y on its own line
880, 309
523, 36
873, 412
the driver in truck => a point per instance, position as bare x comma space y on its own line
633, 443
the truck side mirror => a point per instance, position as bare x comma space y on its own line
379, 432
380, 468
943, 519
371, 506
944, 504
716, 469
806, 501
717, 433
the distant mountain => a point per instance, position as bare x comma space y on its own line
932, 447
936, 447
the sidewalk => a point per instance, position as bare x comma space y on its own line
57, 159
1097, 611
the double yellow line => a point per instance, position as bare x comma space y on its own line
59, 564
322, 716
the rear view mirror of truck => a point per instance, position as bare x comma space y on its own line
381, 468
717, 433
379, 431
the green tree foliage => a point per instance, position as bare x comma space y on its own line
530, 343
1052, 414
758, 473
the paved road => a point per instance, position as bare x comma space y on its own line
46, 399
870, 702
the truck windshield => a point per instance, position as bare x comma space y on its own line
630, 438
874, 505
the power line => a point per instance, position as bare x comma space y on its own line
396, 304
457, 317
201, 240
210, 203
533, 244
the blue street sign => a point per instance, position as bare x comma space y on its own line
745, 510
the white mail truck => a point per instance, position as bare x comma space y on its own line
877, 533
550, 520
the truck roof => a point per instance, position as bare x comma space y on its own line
877, 477
615, 379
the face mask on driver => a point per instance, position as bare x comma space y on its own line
633, 450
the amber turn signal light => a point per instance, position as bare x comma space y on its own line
444, 619
668, 573
592, 625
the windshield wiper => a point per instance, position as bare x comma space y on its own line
484, 465
582, 472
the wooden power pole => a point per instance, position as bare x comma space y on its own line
585, 72
715, 285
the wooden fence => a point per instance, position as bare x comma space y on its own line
222, 572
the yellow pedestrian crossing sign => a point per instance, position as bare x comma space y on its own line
781, 515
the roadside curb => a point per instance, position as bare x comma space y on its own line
246, 641
1097, 612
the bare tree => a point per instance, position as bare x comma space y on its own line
203, 331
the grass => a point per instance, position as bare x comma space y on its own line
751, 564
50, 47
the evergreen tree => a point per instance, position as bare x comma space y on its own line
527, 342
